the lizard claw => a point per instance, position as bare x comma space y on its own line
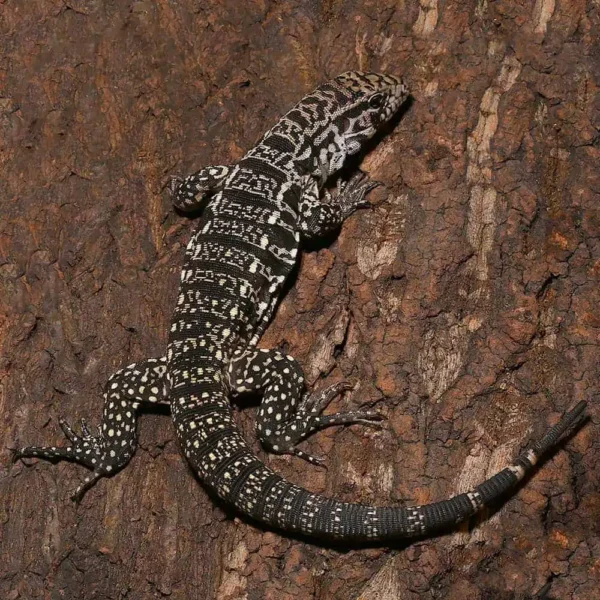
317, 402
173, 185
15, 455
371, 418
69, 433
84, 429
88, 482
353, 193
313, 460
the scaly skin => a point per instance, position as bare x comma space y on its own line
245, 246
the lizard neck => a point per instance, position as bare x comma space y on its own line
306, 140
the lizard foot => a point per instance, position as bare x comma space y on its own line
85, 449
308, 419
352, 194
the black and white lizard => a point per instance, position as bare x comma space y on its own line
236, 262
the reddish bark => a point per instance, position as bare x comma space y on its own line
465, 302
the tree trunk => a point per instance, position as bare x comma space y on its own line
465, 302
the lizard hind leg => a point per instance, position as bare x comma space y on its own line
112, 447
286, 415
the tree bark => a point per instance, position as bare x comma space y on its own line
464, 302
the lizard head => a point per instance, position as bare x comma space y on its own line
372, 100
356, 105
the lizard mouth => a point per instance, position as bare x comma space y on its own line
366, 132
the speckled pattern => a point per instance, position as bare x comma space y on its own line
245, 246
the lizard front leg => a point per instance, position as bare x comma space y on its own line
116, 441
317, 218
188, 193
287, 415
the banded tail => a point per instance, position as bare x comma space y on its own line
242, 480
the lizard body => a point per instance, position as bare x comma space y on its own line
244, 248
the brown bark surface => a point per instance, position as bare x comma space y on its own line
465, 302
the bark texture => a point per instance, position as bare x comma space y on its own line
465, 302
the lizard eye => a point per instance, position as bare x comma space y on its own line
376, 101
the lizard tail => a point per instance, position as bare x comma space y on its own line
228, 466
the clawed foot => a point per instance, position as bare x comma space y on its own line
85, 449
86, 443
314, 404
309, 419
317, 402
352, 194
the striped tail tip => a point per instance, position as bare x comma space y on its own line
499, 484
568, 422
